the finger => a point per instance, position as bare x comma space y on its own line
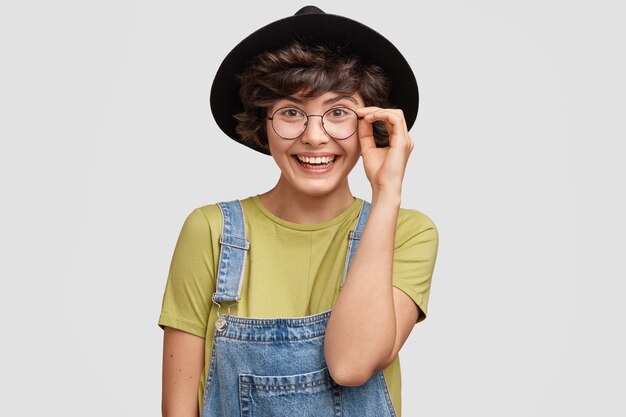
366, 136
390, 116
393, 120
362, 111
394, 116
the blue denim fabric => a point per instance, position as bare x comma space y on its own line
233, 249
263, 367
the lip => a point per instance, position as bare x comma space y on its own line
315, 171
314, 154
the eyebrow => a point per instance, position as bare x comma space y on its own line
329, 101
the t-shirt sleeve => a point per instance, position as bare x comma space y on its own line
415, 253
191, 280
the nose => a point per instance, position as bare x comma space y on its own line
314, 133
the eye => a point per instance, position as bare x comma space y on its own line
338, 113
291, 113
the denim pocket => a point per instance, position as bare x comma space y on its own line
307, 394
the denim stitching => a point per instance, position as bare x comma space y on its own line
209, 375
392, 410
292, 340
287, 321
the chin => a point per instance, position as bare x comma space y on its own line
316, 191
314, 188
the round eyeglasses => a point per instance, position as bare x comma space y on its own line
338, 122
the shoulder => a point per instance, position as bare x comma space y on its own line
195, 230
212, 214
416, 232
413, 222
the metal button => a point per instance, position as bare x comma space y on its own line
220, 324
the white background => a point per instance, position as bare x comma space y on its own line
107, 144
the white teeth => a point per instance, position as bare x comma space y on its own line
316, 160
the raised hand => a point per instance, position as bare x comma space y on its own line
384, 167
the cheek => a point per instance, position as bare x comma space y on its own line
279, 149
354, 149
274, 144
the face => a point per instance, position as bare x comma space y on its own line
298, 158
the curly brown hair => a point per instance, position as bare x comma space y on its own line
313, 70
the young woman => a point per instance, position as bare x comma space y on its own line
296, 301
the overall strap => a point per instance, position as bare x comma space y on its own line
355, 236
233, 249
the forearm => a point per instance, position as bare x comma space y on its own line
361, 330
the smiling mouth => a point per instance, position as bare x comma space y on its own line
318, 162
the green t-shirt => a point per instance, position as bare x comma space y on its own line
292, 270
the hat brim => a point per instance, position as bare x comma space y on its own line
312, 29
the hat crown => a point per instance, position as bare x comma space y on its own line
309, 10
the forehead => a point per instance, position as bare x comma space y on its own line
328, 98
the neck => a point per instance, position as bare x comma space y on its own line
295, 206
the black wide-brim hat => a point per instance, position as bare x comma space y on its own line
312, 26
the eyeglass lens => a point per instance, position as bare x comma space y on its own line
338, 122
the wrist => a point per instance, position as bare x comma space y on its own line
388, 196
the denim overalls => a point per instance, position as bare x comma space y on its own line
276, 366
